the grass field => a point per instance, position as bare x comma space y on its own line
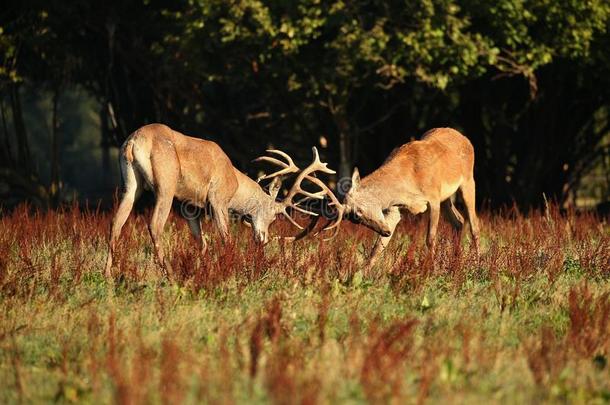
527, 322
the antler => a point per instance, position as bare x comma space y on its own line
308, 174
287, 167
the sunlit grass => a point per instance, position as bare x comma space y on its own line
528, 321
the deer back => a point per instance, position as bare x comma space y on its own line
193, 168
437, 163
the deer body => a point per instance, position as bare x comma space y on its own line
173, 165
418, 176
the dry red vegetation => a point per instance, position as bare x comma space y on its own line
132, 335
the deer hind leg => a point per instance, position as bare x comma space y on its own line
166, 170
132, 183
434, 207
161, 211
452, 215
392, 219
195, 227
467, 190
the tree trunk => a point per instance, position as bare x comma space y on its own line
24, 159
55, 186
7, 154
346, 159
105, 144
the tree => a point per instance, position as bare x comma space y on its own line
527, 81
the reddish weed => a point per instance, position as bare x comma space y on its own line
383, 369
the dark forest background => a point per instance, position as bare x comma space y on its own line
528, 81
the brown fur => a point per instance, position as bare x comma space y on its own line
419, 175
173, 165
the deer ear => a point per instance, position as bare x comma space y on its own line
355, 179
274, 187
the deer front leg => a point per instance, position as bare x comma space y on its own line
219, 201
392, 218
221, 220
435, 210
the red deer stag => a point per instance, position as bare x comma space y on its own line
172, 165
198, 171
420, 175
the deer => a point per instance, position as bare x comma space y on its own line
197, 171
172, 165
418, 176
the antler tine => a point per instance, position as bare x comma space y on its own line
334, 201
319, 165
306, 174
316, 165
292, 221
304, 211
270, 160
282, 154
287, 167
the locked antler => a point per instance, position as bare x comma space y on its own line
288, 167
308, 174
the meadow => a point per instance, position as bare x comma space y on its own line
526, 322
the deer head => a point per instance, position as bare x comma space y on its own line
259, 208
363, 206
267, 212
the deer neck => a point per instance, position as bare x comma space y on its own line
378, 189
392, 185
249, 197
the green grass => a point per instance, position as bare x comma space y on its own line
527, 322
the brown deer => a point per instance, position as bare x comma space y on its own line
172, 165
197, 171
420, 175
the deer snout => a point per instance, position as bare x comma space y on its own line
385, 232
352, 217
381, 229
262, 237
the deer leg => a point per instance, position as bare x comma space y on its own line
392, 218
133, 189
452, 215
219, 202
434, 207
221, 219
161, 211
468, 195
195, 227
166, 172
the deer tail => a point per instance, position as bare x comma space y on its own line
128, 151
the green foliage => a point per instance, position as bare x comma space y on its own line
247, 73
8, 51
435, 42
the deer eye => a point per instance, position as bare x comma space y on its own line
358, 214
